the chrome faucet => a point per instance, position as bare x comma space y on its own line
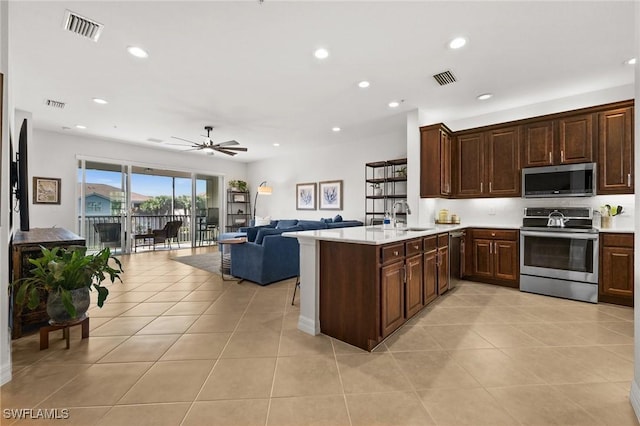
393, 209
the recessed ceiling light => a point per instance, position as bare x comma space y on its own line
100, 101
484, 96
364, 84
394, 104
276, 144
138, 52
80, 126
321, 53
631, 61
457, 43
336, 129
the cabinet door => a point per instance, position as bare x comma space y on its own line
617, 272
392, 298
615, 152
470, 165
505, 258
443, 269
576, 139
482, 255
413, 289
445, 163
430, 276
503, 162
537, 144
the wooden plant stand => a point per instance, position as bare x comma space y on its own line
44, 331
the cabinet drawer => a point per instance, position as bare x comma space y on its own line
430, 243
392, 252
496, 234
617, 240
413, 247
443, 240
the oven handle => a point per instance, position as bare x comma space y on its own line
567, 235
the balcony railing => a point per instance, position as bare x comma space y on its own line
143, 223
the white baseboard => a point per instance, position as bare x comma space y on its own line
634, 398
308, 326
5, 374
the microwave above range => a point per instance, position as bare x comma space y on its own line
570, 180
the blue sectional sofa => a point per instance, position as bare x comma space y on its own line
268, 257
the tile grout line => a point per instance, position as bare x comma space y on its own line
344, 394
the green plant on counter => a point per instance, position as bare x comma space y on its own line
608, 210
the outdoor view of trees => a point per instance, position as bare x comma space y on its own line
161, 205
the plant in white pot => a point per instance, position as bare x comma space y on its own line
67, 276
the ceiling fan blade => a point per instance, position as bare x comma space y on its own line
186, 140
224, 151
180, 144
193, 149
228, 143
231, 148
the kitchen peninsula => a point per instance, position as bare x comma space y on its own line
360, 284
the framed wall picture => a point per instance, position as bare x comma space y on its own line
46, 190
330, 195
306, 196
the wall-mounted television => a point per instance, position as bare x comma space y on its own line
22, 190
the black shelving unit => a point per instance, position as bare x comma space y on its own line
238, 210
391, 177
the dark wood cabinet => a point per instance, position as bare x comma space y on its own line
430, 274
414, 286
392, 300
443, 263
495, 256
26, 245
435, 161
615, 151
616, 269
537, 144
488, 163
575, 139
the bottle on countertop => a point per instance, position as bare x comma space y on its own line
386, 222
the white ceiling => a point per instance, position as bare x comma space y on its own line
248, 68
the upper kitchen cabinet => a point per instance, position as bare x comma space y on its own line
615, 151
537, 144
575, 139
435, 161
487, 164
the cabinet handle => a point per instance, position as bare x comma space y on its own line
480, 186
404, 270
490, 248
395, 253
629, 180
550, 160
493, 234
562, 156
416, 247
490, 187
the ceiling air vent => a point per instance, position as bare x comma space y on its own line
445, 78
82, 26
54, 104
156, 140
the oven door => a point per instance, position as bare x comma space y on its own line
563, 255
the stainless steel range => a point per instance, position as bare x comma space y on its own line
559, 253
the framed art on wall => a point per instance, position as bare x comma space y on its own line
330, 195
46, 190
305, 196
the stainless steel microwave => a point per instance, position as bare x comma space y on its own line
570, 180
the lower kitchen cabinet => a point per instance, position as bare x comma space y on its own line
443, 263
494, 256
616, 269
392, 300
414, 287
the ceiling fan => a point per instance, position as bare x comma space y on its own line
223, 147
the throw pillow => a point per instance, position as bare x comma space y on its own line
287, 223
261, 221
329, 220
338, 218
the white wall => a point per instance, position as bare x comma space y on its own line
345, 162
55, 155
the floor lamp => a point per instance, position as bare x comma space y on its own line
263, 189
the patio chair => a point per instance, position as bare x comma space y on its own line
108, 234
166, 234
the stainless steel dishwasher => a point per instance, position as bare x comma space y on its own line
456, 257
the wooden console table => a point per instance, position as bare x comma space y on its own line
26, 245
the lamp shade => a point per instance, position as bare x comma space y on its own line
264, 190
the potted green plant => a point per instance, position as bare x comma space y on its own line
238, 185
67, 276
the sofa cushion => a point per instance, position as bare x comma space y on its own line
261, 221
286, 223
309, 225
263, 232
329, 220
337, 218
345, 224
252, 232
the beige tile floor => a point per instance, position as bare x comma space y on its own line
176, 345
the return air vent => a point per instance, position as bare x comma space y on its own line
156, 140
445, 78
54, 104
82, 26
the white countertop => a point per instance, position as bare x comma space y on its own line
374, 235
